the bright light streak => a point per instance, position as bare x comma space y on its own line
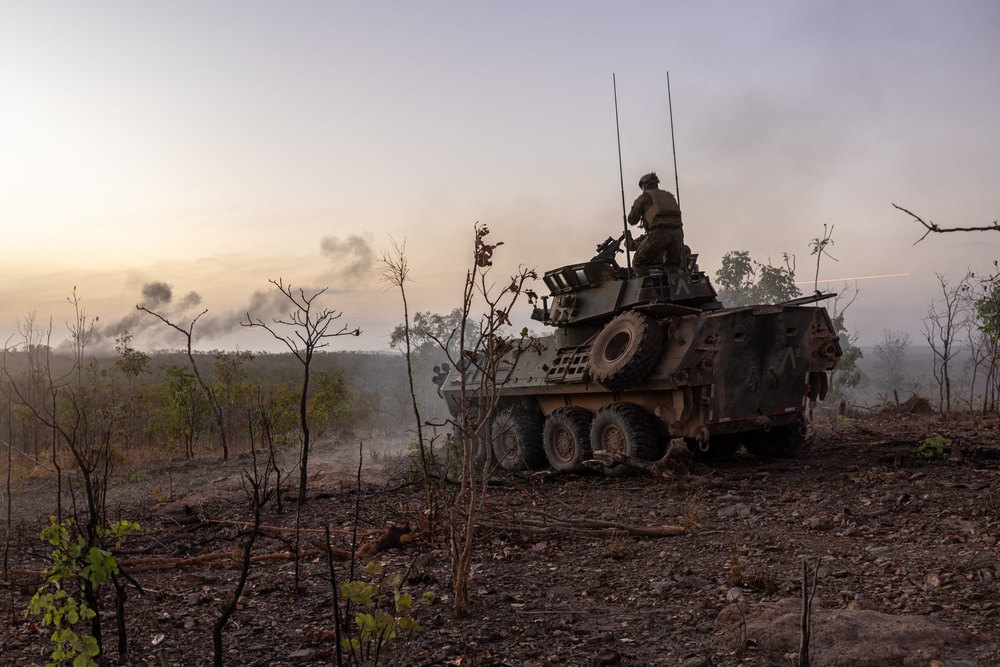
847, 280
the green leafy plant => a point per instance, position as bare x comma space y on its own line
935, 447
384, 613
431, 464
868, 477
134, 475
61, 610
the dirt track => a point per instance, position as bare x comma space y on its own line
907, 552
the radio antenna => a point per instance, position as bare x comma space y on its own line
621, 175
673, 145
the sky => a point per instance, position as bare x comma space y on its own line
179, 155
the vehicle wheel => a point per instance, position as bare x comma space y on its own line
484, 453
626, 350
785, 441
566, 438
517, 438
719, 446
623, 428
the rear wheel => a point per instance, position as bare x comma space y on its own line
566, 438
785, 441
517, 438
623, 428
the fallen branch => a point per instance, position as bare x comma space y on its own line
153, 565
539, 522
394, 538
318, 531
676, 457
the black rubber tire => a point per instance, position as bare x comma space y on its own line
784, 442
484, 451
626, 350
517, 438
719, 446
623, 428
566, 438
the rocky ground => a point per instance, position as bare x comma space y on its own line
906, 549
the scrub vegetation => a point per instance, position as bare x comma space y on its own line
199, 448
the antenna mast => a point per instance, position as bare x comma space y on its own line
673, 145
621, 173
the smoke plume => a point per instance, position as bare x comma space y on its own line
351, 259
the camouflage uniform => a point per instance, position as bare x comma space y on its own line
663, 242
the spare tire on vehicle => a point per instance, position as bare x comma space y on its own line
626, 350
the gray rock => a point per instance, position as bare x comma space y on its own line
856, 637
818, 523
659, 587
730, 511
607, 657
303, 654
558, 593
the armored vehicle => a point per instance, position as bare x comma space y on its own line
637, 361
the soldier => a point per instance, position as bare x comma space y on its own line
660, 216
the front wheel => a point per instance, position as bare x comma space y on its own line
479, 430
517, 438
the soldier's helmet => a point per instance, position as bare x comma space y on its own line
648, 180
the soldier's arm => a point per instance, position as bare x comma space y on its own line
640, 204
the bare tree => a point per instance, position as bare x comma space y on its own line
847, 373
484, 354
931, 226
396, 273
941, 327
983, 304
217, 411
82, 410
258, 489
819, 248
309, 330
232, 390
483, 371
891, 353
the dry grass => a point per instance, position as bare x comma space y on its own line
744, 576
694, 507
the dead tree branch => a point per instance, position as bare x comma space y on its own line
934, 227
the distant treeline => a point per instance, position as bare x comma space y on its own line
156, 400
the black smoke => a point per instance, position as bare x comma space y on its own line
352, 258
156, 294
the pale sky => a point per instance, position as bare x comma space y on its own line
210, 146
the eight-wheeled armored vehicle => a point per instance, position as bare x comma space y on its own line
637, 361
